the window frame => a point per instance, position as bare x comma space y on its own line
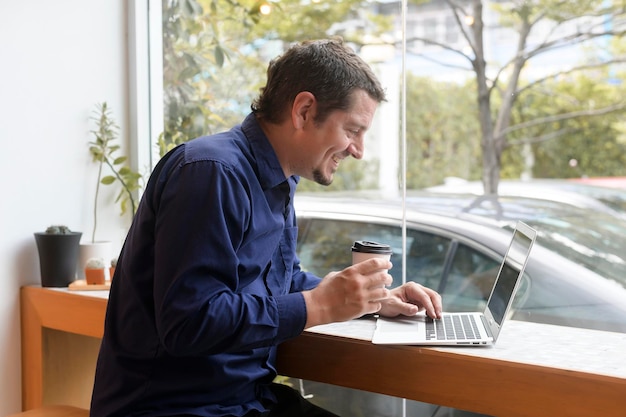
145, 79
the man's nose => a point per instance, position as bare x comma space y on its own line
356, 148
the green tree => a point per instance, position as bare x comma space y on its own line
193, 54
585, 145
443, 136
573, 23
216, 52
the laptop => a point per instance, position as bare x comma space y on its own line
467, 328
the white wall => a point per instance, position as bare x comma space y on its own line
57, 60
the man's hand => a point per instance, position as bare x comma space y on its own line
348, 294
411, 298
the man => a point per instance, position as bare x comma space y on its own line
208, 282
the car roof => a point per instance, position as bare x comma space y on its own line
604, 199
583, 235
495, 210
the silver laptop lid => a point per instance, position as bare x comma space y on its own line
509, 277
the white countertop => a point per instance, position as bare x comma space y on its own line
566, 348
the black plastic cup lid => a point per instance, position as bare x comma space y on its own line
366, 246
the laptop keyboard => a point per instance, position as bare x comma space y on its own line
456, 327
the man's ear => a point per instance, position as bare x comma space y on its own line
303, 109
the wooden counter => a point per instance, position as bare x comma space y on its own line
61, 332
534, 370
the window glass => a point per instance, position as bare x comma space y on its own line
215, 54
451, 30
469, 281
426, 258
463, 275
430, 28
325, 245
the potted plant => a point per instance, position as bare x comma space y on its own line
95, 273
103, 149
58, 249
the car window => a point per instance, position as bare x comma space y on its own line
464, 282
590, 238
426, 258
324, 245
468, 284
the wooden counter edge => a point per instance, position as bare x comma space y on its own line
410, 371
429, 375
44, 308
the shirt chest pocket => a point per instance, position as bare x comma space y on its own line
279, 274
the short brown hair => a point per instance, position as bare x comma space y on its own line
328, 69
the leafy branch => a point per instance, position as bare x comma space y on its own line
102, 150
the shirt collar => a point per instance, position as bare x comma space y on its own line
270, 172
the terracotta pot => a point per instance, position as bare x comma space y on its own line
111, 272
88, 250
95, 276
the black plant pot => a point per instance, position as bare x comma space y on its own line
58, 257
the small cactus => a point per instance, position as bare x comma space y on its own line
113, 262
95, 263
58, 230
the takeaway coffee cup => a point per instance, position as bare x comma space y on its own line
364, 249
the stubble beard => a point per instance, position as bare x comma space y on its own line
319, 178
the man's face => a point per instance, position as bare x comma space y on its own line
338, 137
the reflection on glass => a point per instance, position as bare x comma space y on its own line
513, 263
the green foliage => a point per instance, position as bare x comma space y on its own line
443, 134
186, 102
216, 53
102, 150
541, 27
292, 21
586, 145
512, 13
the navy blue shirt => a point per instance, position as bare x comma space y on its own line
207, 284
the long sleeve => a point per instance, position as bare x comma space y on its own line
213, 286
207, 284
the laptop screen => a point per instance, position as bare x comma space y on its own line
511, 269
